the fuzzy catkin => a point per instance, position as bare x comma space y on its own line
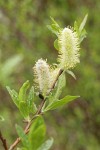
45, 77
68, 48
42, 76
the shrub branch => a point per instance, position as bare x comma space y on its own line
3, 141
39, 112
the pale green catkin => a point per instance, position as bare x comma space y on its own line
68, 48
45, 77
42, 76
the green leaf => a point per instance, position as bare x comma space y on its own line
37, 133
56, 44
54, 27
82, 35
23, 89
23, 137
14, 96
83, 23
30, 101
61, 85
60, 103
46, 145
58, 90
80, 29
31, 95
23, 107
76, 27
54, 22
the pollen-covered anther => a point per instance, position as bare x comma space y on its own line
42, 76
68, 48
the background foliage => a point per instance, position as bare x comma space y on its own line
24, 38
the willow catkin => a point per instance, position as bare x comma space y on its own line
68, 48
42, 76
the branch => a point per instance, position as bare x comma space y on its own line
3, 141
26, 130
59, 73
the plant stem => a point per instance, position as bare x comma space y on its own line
3, 141
26, 130
59, 73
39, 112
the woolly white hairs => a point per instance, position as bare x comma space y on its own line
44, 76
68, 49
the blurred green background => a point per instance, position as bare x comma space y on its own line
24, 38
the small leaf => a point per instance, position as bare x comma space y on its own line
83, 23
54, 22
33, 108
82, 35
30, 101
56, 44
23, 89
23, 107
71, 73
80, 29
46, 145
31, 95
54, 27
76, 27
14, 96
58, 90
60, 103
37, 133
61, 84
23, 137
